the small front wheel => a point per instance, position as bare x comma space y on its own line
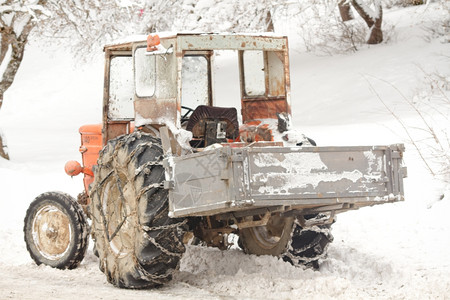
56, 231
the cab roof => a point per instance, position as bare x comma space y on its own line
209, 41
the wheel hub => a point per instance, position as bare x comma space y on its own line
52, 232
268, 236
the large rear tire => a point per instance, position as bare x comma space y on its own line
56, 231
139, 246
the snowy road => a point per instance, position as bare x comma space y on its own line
393, 251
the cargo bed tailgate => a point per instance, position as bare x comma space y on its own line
232, 179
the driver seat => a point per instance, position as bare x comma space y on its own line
204, 117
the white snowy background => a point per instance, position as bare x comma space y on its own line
393, 251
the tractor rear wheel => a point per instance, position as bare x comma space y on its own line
139, 246
271, 239
56, 231
285, 237
308, 245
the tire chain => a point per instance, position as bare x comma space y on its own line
164, 227
157, 245
113, 159
315, 242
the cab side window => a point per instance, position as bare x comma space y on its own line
121, 88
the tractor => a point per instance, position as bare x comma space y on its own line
169, 166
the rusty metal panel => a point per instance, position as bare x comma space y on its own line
116, 128
277, 95
162, 107
276, 79
230, 42
233, 179
261, 108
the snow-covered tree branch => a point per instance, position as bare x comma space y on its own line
231, 15
84, 25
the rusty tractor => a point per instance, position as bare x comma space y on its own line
169, 166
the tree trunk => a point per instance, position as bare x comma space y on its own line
374, 24
17, 44
13, 43
344, 10
3, 151
269, 22
376, 35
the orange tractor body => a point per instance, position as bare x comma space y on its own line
91, 144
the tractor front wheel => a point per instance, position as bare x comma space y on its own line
56, 231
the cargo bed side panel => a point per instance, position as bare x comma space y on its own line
325, 174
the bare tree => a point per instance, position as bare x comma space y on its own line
371, 11
17, 19
372, 17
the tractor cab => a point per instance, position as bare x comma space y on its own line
172, 80
182, 81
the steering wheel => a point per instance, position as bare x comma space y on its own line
187, 114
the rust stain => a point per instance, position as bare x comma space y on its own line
254, 131
263, 109
158, 111
116, 128
277, 87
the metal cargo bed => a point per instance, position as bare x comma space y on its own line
303, 178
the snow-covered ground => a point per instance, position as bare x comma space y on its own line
393, 251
